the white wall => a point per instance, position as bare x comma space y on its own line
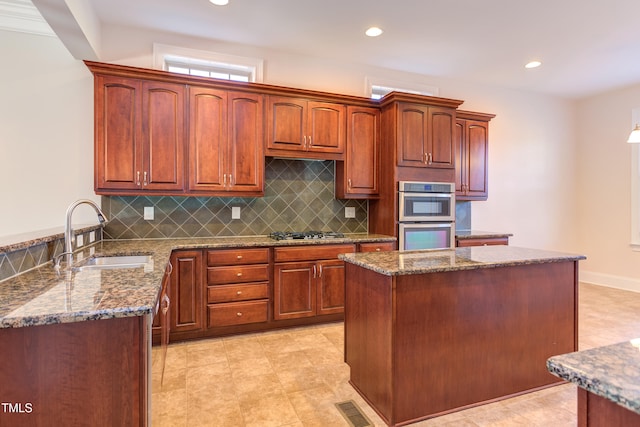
46, 134
604, 186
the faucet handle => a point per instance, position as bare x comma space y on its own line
58, 259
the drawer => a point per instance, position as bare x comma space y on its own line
230, 293
237, 256
311, 252
237, 313
377, 247
237, 274
461, 243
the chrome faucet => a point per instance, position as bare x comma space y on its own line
68, 230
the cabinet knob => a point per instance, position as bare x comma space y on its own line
239, 314
239, 274
239, 257
239, 293
377, 249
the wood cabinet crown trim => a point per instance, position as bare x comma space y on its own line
260, 88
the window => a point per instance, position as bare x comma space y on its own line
207, 64
377, 88
635, 186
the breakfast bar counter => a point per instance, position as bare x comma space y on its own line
432, 332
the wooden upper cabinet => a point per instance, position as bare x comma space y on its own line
226, 141
358, 175
425, 136
140, 132
299, 128
472, 140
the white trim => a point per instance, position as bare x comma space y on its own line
635, 186
618, 282
22, 16
162, 50
411, 87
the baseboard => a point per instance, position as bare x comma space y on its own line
611, 281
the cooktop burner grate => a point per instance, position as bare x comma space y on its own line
305, 235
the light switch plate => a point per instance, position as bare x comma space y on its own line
349, 212
235, 212
149, 213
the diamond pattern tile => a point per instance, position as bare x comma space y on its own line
299, 195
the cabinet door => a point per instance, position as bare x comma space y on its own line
462, 166
246, 143
358, 175
412, 135
163, 125
286, 123
477, 153
187, 304
118, 143
441, 149
294, 290
207, 138
330, 287
325, 127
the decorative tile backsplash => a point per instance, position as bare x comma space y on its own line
299, 195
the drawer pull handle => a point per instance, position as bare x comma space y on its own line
239, 274
239, 314
239, 293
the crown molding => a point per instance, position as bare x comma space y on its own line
22, 16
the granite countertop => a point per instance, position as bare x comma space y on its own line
430, 261
477, 234
612, 372
45, 296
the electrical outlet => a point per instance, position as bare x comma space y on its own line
349, 212
148, 213
235, 212
79, 241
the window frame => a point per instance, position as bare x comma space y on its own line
399, 86
207, 60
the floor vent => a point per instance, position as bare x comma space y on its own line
353, 414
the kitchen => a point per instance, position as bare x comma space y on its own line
562, 185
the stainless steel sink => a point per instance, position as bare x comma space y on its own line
116, 261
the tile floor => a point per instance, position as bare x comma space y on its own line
293, 377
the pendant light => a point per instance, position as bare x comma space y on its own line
634, 137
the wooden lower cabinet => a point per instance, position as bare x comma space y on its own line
91, 373
311, 284
187, 309
236, 290
237, 287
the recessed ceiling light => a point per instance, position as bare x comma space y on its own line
373, 32
219, 2
533, 64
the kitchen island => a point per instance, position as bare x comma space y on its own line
432, 332
608, 380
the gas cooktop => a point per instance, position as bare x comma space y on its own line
304, 235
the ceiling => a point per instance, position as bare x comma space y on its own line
586, 47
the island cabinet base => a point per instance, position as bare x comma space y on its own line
597, 411
91, 373
423, 345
